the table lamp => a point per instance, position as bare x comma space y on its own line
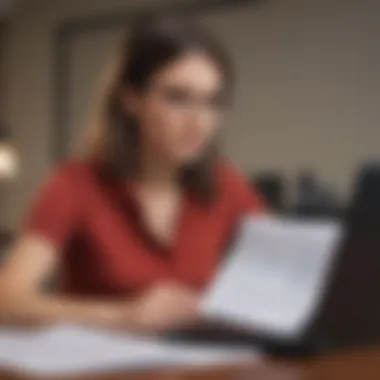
9, 167
8, 157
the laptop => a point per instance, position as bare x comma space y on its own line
349, 312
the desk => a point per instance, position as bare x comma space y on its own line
355, 365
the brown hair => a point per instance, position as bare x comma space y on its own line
114, 135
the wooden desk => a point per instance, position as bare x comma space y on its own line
355, 365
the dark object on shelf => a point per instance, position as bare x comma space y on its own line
314, 199
271, 186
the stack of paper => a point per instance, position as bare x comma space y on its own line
72, 349
275, 275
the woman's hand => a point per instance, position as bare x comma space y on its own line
165, 307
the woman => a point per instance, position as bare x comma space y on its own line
137, 228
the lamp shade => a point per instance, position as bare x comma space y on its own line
9, 164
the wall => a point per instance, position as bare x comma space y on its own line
3, 31
312, 96
2, 59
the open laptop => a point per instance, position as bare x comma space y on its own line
349, 313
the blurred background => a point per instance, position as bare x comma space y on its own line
306, 111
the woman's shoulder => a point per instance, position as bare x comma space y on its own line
59, 203
71, 170
68, 175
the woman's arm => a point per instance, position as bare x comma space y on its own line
23, 301
57, 213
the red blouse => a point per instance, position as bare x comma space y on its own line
104, 247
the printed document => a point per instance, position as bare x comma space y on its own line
69, 349
274, 275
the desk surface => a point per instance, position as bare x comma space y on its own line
356, 365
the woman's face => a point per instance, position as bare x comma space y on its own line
180, 111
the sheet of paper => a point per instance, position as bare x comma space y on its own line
274, 275
71, 349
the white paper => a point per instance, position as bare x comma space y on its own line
275, 275
71, 349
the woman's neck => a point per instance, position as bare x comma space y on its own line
157, 172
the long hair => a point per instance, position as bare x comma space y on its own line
113, 137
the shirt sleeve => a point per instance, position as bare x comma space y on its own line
55, 212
